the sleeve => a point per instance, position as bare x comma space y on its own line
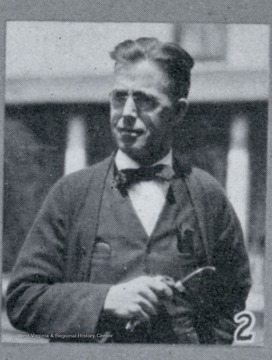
181, 311
228, 293
39, 298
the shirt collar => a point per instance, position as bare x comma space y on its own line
123, 161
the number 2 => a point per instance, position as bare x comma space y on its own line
246, 321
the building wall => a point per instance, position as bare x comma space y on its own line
63, 49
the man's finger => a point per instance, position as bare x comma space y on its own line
161, 288
138, 313
146, 306
149, 294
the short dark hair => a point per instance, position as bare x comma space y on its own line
170, 57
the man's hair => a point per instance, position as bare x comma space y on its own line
170, 57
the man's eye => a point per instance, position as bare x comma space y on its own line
145, 102
118, 99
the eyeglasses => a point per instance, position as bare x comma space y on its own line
142, 101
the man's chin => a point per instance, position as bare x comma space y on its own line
132, 151
139, 155
144, 156
129, 145
138, 151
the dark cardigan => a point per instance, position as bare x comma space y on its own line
50, 293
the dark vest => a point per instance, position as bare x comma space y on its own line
123, 250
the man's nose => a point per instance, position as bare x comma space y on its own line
130, 111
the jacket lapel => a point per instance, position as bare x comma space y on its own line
90, 212
198, 194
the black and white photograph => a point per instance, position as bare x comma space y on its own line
135, 171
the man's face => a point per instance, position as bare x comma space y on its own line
141, 111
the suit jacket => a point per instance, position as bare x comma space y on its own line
50, 292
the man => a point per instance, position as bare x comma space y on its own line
109, 245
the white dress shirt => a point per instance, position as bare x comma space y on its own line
147, 197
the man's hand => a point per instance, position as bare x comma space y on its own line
137, 299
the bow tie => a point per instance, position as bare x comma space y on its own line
125, 178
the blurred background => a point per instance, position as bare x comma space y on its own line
58, 77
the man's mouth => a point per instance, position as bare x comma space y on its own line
128, 131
